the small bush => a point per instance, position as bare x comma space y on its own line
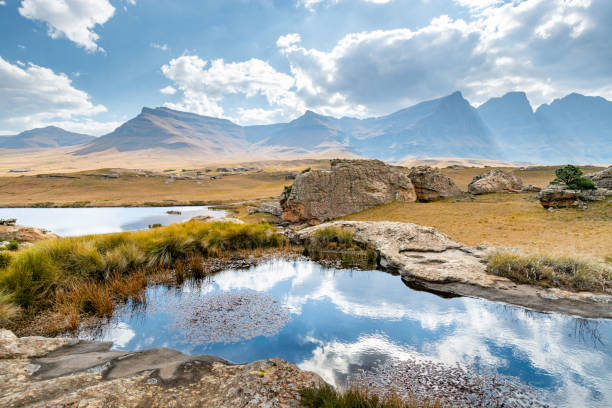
546, 271
12, 246
325, 396
572, 177
323, 237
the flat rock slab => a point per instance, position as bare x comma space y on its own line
67, 372
429, 259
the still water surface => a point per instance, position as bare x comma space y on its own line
101, 220
339, 321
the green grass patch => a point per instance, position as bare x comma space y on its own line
335, 243
559, 272
325, 396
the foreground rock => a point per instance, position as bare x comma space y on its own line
428, 259
350, 186
23, 233
495, 181
557, 196
431, 185
602, 179
43, 372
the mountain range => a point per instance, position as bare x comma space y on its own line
575, 128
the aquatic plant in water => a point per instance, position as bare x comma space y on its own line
228, 317
453, 386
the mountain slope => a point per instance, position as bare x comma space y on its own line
47, 137
448, 126
168, 129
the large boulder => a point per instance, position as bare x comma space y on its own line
430, 184
350, 186
558, 196
495, 181
602, 179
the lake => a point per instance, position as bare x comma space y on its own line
337, 322
102, 220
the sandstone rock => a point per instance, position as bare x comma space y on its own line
495, 181
350, 186
67, 372
557, 196
22, 233
430, 184
602, 179
428, 259
269, 207
530, 189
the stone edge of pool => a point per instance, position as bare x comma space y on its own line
430, 260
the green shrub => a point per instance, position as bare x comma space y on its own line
325, 236
571, 176
12, 246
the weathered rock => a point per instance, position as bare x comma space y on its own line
65, 372
350, 186
430, 184
531, 189
428, 259
602, 179
208, 218
495, 181
23, 233
268, 207
557, 196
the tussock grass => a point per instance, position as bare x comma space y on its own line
89, 275
325, 396
562, 272
331, 243
8, 310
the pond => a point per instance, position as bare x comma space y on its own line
102, 220
337, 322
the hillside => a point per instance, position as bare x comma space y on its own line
47, 137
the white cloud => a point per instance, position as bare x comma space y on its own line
312, 4
285, 41
2, 3
168, 90
73, 19
163, 47
33, 96
205, 85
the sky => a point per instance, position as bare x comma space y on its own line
90, 65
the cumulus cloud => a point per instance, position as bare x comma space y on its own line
2, 3
72, 19
31, 96
547, 48
204, 85
168, 90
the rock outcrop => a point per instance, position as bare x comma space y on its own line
558, 196
23, 233
602, 179
428, 259
430, 184
268, 207
350, 186
495, 181
51, 372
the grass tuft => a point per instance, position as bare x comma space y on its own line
561, 272
325, 396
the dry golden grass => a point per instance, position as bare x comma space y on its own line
510, 220
137, 190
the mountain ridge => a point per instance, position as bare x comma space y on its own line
45, 137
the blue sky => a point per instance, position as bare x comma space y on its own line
88, 65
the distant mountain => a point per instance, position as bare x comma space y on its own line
47, 137
448, 126
164, 128
575, 129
